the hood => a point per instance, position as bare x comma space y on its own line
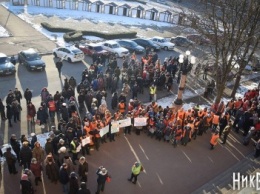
7, 65
36, 62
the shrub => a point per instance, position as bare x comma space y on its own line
74, 35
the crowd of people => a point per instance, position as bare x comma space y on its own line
84, 116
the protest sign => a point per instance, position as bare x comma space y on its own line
104, 131
140, 121
125, 122
114, 127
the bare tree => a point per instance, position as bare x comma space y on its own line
233, 28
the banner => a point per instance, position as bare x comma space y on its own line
125, 122
78, 148
140, 121
104, 131
114, 127
85, 141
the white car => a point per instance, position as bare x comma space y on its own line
71, 53
114, 47
163, 43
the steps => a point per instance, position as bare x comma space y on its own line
222, 184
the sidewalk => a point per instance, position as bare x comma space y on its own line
24, 36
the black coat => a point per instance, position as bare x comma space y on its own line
9, 112
42, 116
28, 95
15, 145
63, 175
83, 189
74, 185
26, 187
26, 154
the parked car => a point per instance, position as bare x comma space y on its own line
6, 67
91, 48
31, 59
131, 46
70, 53
199, 39
181, 41
113, 47
147, 43
163, 43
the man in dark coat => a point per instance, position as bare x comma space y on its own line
26, 155
101, 180
83, 189
83, 169
28, 95
114, 101
59, 66
42, 116
18, 95
51, 169
10, 160
64, 177
15, 146
9, 114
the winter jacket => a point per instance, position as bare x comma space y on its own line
26, 154
63, 175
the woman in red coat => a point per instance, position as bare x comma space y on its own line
36, 169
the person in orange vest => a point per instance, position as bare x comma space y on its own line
177, 136
52, 108
230, 106
237, 105
214, 140
196, 123
215, 121
121, 107
221, 108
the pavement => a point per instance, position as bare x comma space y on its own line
24, 36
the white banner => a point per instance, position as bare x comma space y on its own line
140, 121
114, 127
104, 131
125, 122
78, 148
85, 141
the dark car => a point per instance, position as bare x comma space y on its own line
147, 43
6, 67
31, 60
131, 46
198, 39
90, 49
181, 41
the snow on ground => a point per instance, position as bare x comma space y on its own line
3, 32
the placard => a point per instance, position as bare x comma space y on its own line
140, 121
124, 122
104, 131
85, 141
114, 127
78, 148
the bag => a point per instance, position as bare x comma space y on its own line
108, 179
142, 168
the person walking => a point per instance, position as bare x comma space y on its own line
101, 180
214, 140
64, 178
26, 185
59, 65
28, 95
83, 169
136, 169
36, 169
226, 132
10, 160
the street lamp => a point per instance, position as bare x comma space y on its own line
186, 64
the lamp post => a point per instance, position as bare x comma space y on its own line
186, 62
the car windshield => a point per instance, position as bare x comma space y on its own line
32, 56
114, 46
163, 40
4, 60
150, 42
76, 51
133, 43
98, 48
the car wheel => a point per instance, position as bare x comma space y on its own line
69, 60
55, 55
166, 48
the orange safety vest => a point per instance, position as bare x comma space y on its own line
51, 105
238, 104
215, 120
214, 139
230, 105
181, 114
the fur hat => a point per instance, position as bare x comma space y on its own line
62, 149
33, 134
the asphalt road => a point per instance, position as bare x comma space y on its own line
167, 170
